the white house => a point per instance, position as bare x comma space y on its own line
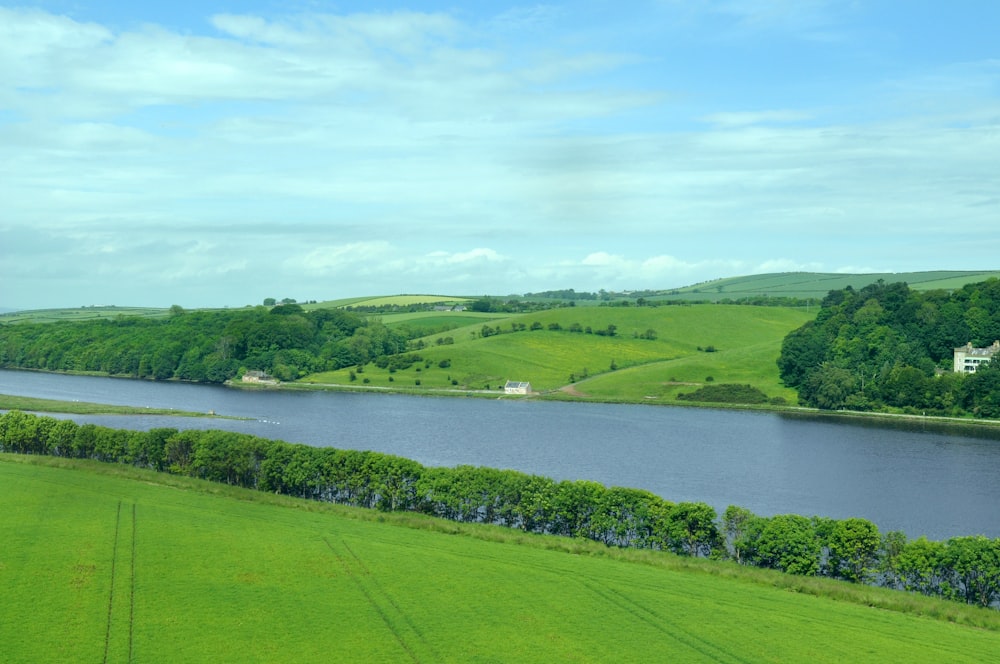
254, 376
515, 387
968, 359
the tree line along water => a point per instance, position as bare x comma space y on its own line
965, 568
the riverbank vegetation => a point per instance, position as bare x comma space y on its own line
202, 346
964, 569
887, 347
637, 353
651, 350
129, 565
14, 402
882, 348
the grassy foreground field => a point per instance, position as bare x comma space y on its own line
104, 563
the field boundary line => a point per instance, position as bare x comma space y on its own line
375, 604
388, 597
111, 592
661, 623
131, 593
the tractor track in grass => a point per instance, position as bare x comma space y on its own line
131, 593
111, 592
381, 602
116, 564
660, 623
615, 597
392, 602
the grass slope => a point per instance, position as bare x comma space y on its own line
388, 300
803, 285
80, 314
816, 285
747, 340
103, 563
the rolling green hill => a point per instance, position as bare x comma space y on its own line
815, 285
80, 314
105, 563
388, 301
745, 341
799, 285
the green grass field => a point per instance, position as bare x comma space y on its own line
747, 342
388, 300
15, 402
815, 285
104, 563
80, 314
437, 322
802, 285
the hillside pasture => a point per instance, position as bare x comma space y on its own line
431, 322
390, 301
815, 285
746, 339
113, 564
80, 314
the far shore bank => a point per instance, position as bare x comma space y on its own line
37, 405
10, 402
560, 394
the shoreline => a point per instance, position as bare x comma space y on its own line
557, 394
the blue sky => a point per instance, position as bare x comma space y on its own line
217, 153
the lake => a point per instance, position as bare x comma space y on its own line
921, 478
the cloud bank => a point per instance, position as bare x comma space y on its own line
324, 155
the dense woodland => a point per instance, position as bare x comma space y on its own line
887, 347
966, 569
202, 346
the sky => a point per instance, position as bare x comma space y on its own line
216, 153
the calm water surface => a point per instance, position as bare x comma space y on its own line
924, 480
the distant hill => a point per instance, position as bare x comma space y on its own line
388, 301
78, 314
793, 285
815, 285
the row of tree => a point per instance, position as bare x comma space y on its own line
889, 347
202, 346
964, 568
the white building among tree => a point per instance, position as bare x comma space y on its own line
968, 359
516, 387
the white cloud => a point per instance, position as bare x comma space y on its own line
345, 259
802, 19
409, 149
658, 271
529, 18
785, 265
30, 34
464, 257
856, 269
744, 118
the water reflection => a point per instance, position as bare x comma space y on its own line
917, 476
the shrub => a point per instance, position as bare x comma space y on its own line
726, 393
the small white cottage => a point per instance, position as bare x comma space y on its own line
516, 387
254, 376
